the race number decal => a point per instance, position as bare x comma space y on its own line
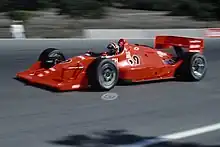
135, 60
131, 62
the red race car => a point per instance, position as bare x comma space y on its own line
171, 57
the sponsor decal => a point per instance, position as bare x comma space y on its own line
128, 54
161, 54
115, 60
81, 57
40, 75
195, 46
46, 71
195, 41
75, 86
194, 51
52, 69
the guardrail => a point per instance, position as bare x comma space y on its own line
141, 33
144, 33
62, 43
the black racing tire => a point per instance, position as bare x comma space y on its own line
50, 57
103, 74
194, 67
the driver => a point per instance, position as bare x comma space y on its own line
113, 48
116, 48
122, 43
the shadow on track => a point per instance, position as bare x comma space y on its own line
120, 83
112, 138
50, 89
26, 83
107, 138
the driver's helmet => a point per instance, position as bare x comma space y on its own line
113, 48
122, 43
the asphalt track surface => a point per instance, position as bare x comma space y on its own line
34, 117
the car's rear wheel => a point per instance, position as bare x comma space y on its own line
50, 57
103, 74
194, 67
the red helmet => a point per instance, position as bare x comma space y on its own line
122, 42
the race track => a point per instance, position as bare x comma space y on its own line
34, 117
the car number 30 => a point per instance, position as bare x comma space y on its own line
134, 60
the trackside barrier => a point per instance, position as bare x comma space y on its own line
77, 44
96, 35
141, 33
212, 32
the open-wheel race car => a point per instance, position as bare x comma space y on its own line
171, 57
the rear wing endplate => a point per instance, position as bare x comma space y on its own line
192, 44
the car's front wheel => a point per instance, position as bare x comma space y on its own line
50, 57
103, 74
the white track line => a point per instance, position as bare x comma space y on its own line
176, 136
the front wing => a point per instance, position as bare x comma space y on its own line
41, 77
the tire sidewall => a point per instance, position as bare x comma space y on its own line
46, 55
106, 63
192, 60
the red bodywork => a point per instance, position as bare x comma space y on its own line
136, 63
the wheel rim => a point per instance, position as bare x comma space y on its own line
198, 67
108, 76
56, 58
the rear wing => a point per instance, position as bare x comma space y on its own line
191, 44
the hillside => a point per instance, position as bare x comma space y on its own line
48, 24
